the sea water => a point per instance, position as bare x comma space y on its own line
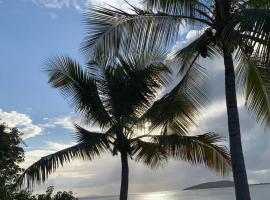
258, 192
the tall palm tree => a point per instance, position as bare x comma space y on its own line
238, 30
119, 96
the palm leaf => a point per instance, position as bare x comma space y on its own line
76, 85
90, 145
254, 81
265, 4
254, 24
40, 170
187, 7
177, 108
113, 30
96, 140
202, 46
202, 149
151, 154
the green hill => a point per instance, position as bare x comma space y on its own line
216, 184
208, 185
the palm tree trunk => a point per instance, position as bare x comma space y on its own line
125, 174
238, 163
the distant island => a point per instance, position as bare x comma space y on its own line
216, 184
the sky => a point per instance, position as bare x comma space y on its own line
35, 30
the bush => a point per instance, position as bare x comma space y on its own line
11, 155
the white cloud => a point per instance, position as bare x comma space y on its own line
190, 37
121, 4
67, 122
54, 146
83, 4
22, 121
64, 122
193, 34
30, 130
58, 3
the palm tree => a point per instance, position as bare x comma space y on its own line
119, 96
238, 30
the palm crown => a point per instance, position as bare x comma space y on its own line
121, 95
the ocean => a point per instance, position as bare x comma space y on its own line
258, 192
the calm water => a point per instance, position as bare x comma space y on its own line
261, 192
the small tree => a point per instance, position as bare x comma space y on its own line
27, 195
64, 196
47, 195
11, 155
23, 195
58, 196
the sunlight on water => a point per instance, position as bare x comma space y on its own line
156, 196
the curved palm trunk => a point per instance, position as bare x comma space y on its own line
238, 163
125, 174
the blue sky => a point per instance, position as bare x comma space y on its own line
34, 30
29, 35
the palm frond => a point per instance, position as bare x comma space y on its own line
40, 170
77, 85
265, 4
176, 7
149, 153
201, 149
99, 141
254, 81
90, 145
202, 46
254, 24
132, 84
113, 30
177, 108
